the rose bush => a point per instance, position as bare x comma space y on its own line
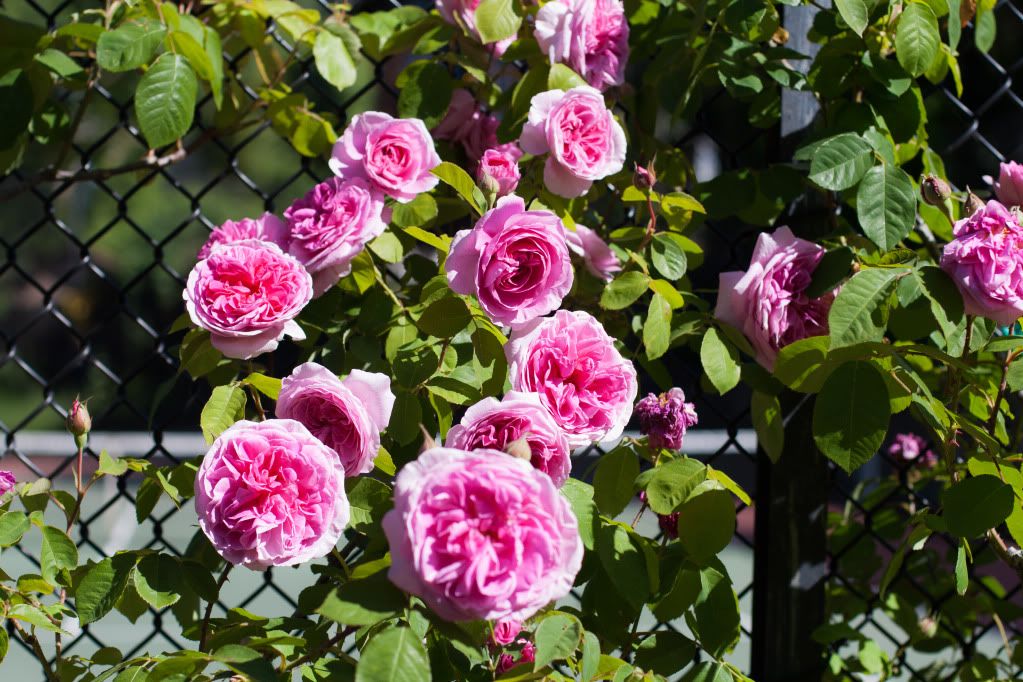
505, 285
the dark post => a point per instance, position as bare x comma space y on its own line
790, 561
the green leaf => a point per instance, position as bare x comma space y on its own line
158, 580
497, 20
58, 553
388, 248
720, 361
962, 576
562, 77
657, 328
706, 521
856, 14
667, 256
917, 39
613, 481
665, 653
334, 61
268, 386
197, 354
215, 55
973, 505
556, 638
624, 290
851, 415
425, 89
393, 655
944, 297
445, 317
672, 483
33, 616
111, 466
368, 498
623, 559
716, 612
364, 602
683, 594
590, 659
16, 97
767, 421
13, 525
101, 586
187, 46
4, 643
886, 205
225, 406
130, 45
580, 498
856, 314
462, 183
165, 100
708, 672
416, 213
405, 418
839, 162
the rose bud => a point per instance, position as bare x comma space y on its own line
934, 190
643, 177
973, 203
78, 422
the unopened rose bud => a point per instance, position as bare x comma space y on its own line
928, 626
490, 186
644, 178
79, 422
428, 441
519, 448
973, 203
934, 190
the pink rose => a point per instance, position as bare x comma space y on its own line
571, 363
768, 302
395, 155
466, 124
493, 424
270, 494
583, 138
246, 295
462, 13
590, 36
267, 227
480, 535
506, 630
330, 226
7, 481
346, 416
598, 257
515, 261
986, 263
910, 447
1009, 188
501, 165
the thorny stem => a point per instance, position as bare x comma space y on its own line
31, 640
205, 631
955, 383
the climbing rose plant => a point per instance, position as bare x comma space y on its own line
478, 286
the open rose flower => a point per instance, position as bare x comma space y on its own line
331, 224
590, 36
515, 261
267, 227
665, 418
1009, 188
493, 424
505, 631
246, 295
8, 481
466, 124
584, 141
768, 302
462, 13
500, 166
572, 365
481, 535
346, 416
598, 257
986, 263
270, 494
911, 447
394, 155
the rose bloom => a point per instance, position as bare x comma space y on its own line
480, 535
583, 138
515, 261
505, 631
506, 662
910, 447
571, 363
347, 416
493, 424
986, 263
590, 36
1009, 188
7, 481
598, 257
270, 494
331, 224
246, 295
395, 155
467, 125
501, 164
768, 302
267, 227
665, 418
462, 13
